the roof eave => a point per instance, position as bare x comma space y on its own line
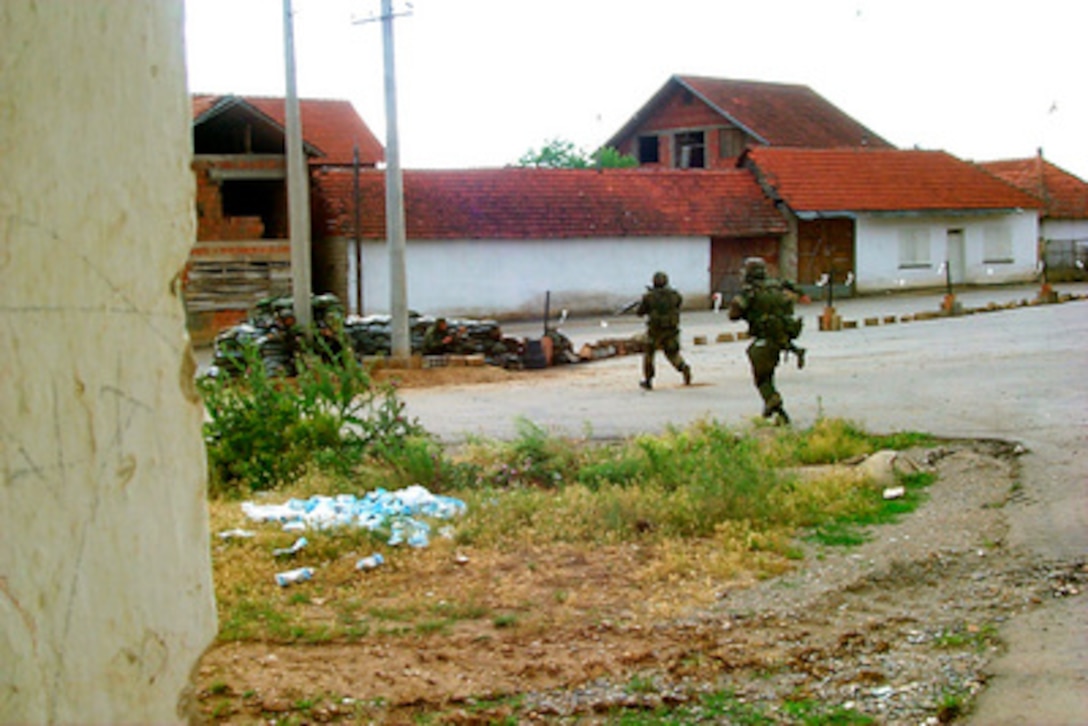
226, 103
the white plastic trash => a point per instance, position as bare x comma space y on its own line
285, 551
283, 579
370, 562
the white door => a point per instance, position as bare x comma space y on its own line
957, 266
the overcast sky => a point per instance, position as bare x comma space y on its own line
480, 82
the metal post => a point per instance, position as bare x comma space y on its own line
394, 197
358, 236
298, 187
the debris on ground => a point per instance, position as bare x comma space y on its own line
400, 510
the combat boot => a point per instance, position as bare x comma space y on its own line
647, 384
800, 358
687, 374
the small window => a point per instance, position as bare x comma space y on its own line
997, 246
690, 150
914, 248
648, 150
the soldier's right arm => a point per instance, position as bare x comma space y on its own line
736, 308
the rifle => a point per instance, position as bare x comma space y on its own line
630, 307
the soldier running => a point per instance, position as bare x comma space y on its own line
767, 305
661, 304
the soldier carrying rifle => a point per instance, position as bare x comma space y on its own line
767, 305
661, 306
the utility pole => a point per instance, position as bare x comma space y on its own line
298, 186
358, 234
394, 196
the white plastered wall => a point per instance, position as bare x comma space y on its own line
878, 249
511, 278
106, 598
1065, 229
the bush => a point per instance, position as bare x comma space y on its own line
263, 430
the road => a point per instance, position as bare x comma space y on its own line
1016, 374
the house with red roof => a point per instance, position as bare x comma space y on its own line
242, 252
496, 242
729, 169
896, 219
694, 122
1063, 219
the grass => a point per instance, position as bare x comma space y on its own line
700, 502
977, 638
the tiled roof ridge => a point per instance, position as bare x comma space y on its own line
738, 81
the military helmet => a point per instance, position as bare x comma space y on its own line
755, 269
660, 279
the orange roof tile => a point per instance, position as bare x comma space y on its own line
1064, 195
517, 203
880, 180
777, 114
331, 126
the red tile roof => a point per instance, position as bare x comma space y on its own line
516, 203
777, 114
783, 114
331, 126
1065, 196
880, 180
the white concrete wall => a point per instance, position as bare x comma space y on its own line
1065, 229
510, 278
877, 250
106, 597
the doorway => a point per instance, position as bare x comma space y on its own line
955, 255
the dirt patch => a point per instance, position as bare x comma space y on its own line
901, 628
457, 376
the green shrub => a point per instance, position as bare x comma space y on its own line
263, 430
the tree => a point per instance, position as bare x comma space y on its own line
562, 154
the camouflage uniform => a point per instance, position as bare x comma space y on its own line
439, 339
768, 307
661, 304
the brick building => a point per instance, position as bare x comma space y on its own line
706, 123
242, 252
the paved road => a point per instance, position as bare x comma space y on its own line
1019, 374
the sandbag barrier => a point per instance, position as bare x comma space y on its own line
271, 328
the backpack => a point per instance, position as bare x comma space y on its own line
663, 309
771, 313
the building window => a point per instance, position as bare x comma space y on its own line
997, 246
914, 249
648, 150
730, 143
691, 150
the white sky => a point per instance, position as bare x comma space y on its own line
480, 82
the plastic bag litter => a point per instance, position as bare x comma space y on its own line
375, 509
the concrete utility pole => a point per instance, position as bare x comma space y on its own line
394, 197
298, 186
